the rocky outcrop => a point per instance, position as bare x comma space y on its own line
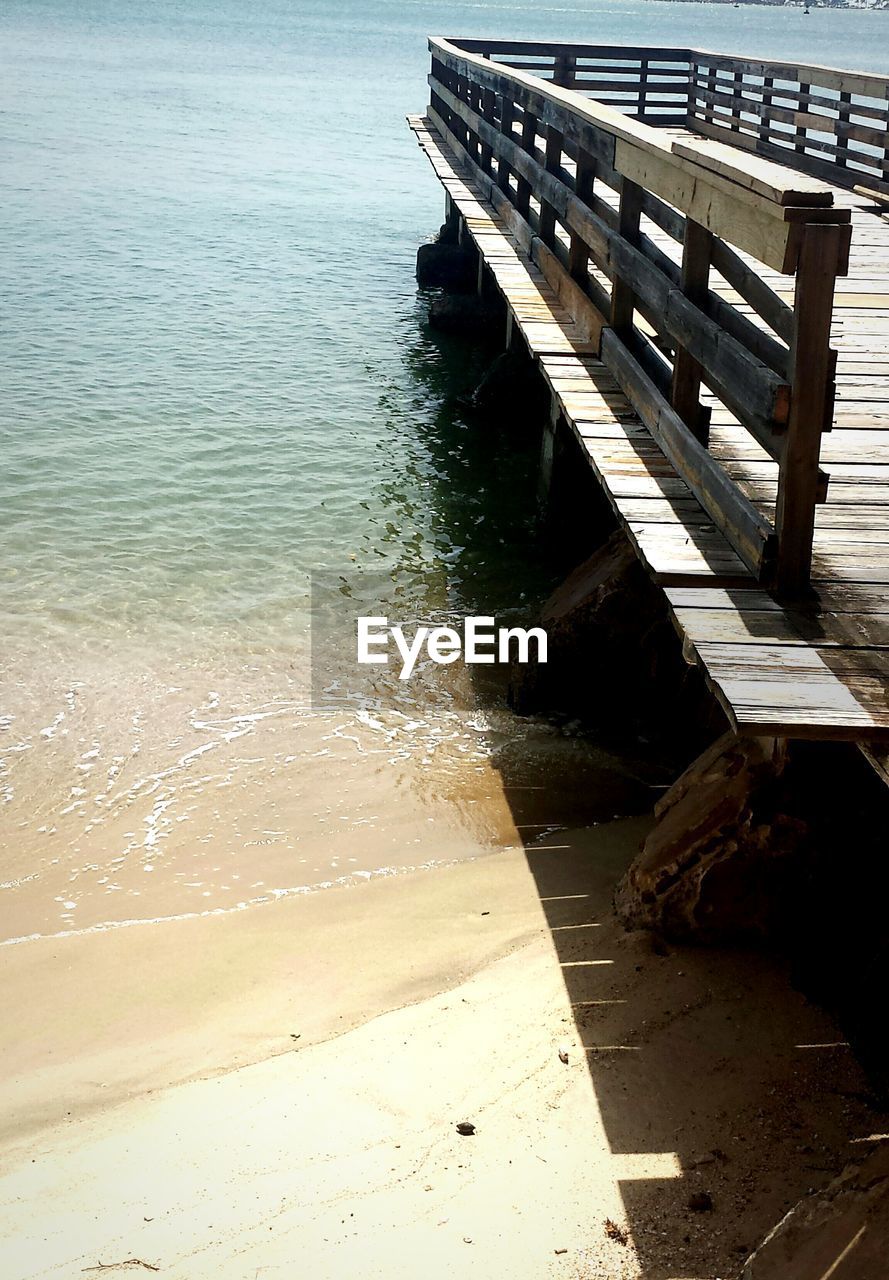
714, 867
840, 1232
446, 266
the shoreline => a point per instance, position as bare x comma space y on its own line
280, 964
170, 1118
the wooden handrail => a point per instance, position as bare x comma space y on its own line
550, 154
866, 83
828, 121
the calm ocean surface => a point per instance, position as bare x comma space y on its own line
216, 381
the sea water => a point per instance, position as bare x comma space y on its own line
218, 394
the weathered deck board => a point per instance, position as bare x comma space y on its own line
821, 671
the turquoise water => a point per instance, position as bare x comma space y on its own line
216, 380
210, 213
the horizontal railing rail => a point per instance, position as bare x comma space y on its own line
597, 198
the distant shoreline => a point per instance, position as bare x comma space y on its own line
880, 7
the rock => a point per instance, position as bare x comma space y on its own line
713, 867
842, 1231
466, 1128
449, 231
563, 1053
466, 314
446, 266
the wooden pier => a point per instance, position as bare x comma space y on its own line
694, 249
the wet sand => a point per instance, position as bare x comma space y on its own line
275, 1092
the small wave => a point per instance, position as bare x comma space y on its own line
354, 879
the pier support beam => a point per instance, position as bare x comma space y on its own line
511, 392
614, 660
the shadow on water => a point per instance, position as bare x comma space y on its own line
689, 1051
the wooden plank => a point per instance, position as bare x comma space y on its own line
753, 289
587, 316
700, 555
877, 756
812, 164
800, 691
834, 598
768, 179
780, 626
757, 231
552, 48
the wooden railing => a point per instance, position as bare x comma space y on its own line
652, 84
827, 122
588, 190
832, 123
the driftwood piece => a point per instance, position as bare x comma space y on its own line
711, 868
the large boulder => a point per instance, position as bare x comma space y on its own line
446, 266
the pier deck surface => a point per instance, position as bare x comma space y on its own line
818, 671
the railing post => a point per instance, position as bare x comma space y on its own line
488, 106
821, 254
691, 99
764, 119
685, 391
643, 87
623, 299
712, 85
507, 112
578, 251
553, 161
564, 70
800, 132
843, 113
529, 141
737, 86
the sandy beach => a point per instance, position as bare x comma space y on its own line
276, 1093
